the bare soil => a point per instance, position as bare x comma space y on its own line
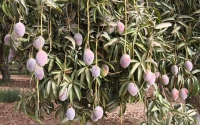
134, 114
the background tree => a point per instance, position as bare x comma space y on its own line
5, 24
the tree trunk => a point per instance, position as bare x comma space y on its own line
3, 67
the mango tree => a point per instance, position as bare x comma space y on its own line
90, 56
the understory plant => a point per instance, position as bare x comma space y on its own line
10, 95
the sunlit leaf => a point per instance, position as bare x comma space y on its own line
163, 25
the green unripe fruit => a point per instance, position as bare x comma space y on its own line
110, 29
89, 97
105, 70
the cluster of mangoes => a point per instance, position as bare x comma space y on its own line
19, 31
151, 77
40, 60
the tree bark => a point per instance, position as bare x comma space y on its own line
3, 67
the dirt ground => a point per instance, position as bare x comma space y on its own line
134, 114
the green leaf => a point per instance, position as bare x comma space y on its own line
48, 87
77, 91
58, 78
182, 44
112, 107
134, 61
62, 90
141, 46
176, 29
185, 16
70, 92
55, 72
160, 98
82, 79
80, 84
139, 75
111, 42
94, 14
89, 97
78, 106
157, 13
71, 95
59, 63
150, 106
183, 24
64, 120
88, 78
163, 25
51, 63
195, 71
138, 54
135, 66
155, 108
72, 41
80, 71
190, 52
112, 23
54, 89
168, 19
167, 5
64, 84
194, 86
191, 113
106, 95
53, 4
23, 2
105, 34
123, 89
